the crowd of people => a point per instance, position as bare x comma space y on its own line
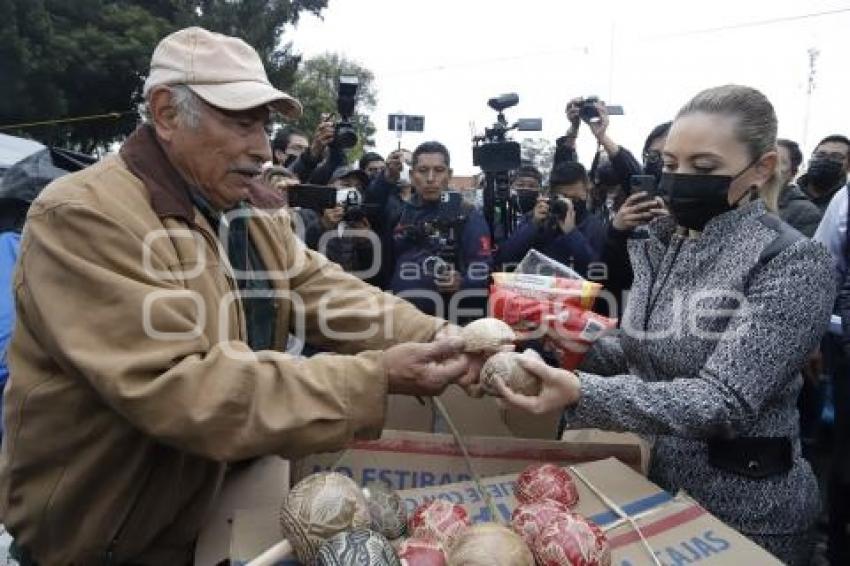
135, 377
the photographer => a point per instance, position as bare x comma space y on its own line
559, 226
372, 164
288, 145
442, 244
612, 166
525, 188
325, 156
384, 196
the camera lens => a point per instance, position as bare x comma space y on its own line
346, 136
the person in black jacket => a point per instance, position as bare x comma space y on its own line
317, 165
795, 208
612, 167
827, 170
384, 200
576, 239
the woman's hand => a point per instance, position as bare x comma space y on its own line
560, 388
637, 210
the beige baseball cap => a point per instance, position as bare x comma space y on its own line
224, 71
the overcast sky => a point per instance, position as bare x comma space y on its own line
444, 58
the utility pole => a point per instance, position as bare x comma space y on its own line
814, 53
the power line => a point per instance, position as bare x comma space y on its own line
113, 115
757, 23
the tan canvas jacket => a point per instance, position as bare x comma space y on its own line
131, 385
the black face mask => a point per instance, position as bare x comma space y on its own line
696, 199
580, 206
605, 175
824, 173
526, 199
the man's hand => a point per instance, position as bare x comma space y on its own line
470, 381
560, 389
425, 369
638, 209
322, 138
395, 163
448, 282
568, 224
541, 210
572, 110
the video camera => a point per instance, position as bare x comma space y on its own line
345, 135
440, 236
320, 198
355, 210
497, 156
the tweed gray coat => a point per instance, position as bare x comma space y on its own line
681, 371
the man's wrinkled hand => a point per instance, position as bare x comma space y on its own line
425, 369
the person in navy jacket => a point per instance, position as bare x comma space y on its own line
577, 239
441, 244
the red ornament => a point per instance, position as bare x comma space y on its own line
415, 552
529, 519
439, 521
572, 540
542, 482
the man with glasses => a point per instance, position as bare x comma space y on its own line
153, 304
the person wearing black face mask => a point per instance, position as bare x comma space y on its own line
653, 164
827, 170
727, 302
566, 232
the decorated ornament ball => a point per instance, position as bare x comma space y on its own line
386, 510
438, 521
572, 540
529, 519
417, 552
505, 367
540, 482
318, 507
488, 335
357, 547
489, 544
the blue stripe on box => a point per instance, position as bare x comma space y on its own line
633, 508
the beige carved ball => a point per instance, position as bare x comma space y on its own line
487, 335
505, 367
489, 544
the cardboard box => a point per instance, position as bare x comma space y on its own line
677, 528
260, 484
408, 460
255, 530
473, 417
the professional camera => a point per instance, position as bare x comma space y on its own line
351, 201
345, 135
558, 208
590, 114
439, 236
497, 156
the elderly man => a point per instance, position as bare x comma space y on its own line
153, 307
